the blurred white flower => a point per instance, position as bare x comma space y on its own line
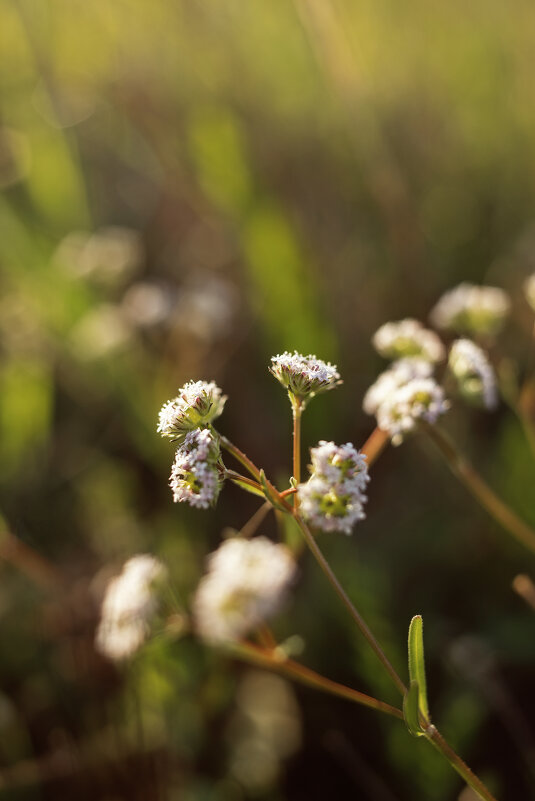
408, 338
399, 373
197, 404
205, 309
246, 583
419, 399
529, 290
101, 332
475, 376
472, 309
129, 606
147, 304
304, 376
109, 257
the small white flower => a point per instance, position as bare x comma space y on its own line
333, 498
472, 309
304, 376
246, 583
331, 506
529, 290
399, 374
419, 399
129, 605
195, 476
197, 404
475, 377
339, 463
408, 338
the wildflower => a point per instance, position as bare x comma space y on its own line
408, 338
419, 399
475, 377
333, 498
304, 376
471, 309
245, 584
129, 606
399, 374
196, 405
195, 477
529, 290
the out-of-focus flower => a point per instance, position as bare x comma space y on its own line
129, 606
195, 477
109, 257
408, 338
147, 304
205, 309
246, 583
529, 290
419, 399
304, 376
101, 332
475, 377
197, 404
472, 309
399, 374
333, 498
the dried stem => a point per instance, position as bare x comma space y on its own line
375, 445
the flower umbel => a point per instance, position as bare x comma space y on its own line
246, 583
130, 604
304, 376
195, 406
419, 399
195, 477
399, 374
333, 498
475, 376
472, 309
408, 338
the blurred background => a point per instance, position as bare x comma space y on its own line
189, 188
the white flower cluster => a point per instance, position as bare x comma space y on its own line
129, 605
197, 404
472, 309
195, 477
408, 338
246, 583
529, 290
333, 498
404, 394
475, 376
304, 376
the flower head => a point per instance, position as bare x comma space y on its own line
195, 477
418, 399
304, 376
529, 290
246, 583
475, 377
333, 498
129, 605
399, 374
472, 309
196, 405
408, 338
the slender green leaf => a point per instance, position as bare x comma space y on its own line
416, 661
248, 488
270, 492
411, 709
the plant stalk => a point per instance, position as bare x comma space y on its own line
296, 414
437, 740
481, 491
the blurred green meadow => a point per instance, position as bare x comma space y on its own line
189, 188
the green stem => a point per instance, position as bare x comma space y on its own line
272, 659
239, 456
311, 542
296, 413
233, 476
437, 740
473, 482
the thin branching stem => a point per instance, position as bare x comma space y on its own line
239, 456
275, 660
296, 414
375, 445
481, 491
